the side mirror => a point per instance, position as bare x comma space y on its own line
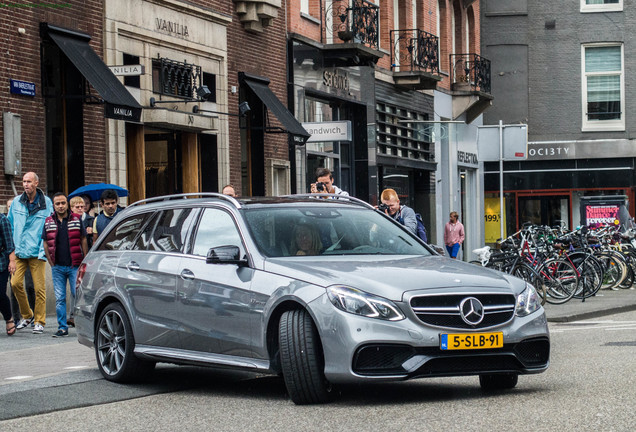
225, 255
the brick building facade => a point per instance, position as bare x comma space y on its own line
23, 62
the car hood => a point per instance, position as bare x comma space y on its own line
390, 276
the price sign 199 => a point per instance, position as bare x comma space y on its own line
491, 218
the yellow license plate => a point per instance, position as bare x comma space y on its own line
462, 341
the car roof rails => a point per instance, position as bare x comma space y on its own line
329, 195
233, 200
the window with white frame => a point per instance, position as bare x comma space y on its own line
603, 87
601, 5
304, 6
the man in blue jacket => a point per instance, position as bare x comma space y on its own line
27, 215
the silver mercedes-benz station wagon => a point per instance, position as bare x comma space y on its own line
322, 291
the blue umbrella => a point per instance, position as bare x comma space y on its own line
95, 190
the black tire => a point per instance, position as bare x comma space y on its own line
591, 274
301, 359
492, 382
560, 280
115, 345
629, 279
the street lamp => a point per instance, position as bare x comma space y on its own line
203, 94
244, 108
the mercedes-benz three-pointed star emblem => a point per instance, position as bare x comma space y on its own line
471, 310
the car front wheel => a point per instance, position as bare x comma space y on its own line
114, 346
301, 359
498, 381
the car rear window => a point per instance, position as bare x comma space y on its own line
167, 231
123, 235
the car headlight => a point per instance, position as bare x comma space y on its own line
528, 301
359, 302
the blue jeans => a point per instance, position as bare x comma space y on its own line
453, 250
60, 275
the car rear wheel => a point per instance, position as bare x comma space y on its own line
498, 381
301, 359
114, 346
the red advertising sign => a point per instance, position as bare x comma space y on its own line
602, 214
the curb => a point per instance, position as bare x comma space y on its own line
576, 316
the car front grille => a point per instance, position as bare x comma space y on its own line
444, 310
394, 359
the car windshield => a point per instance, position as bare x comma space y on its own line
328, 230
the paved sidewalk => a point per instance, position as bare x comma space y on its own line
606, 302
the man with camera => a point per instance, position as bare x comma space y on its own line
324, 183
403, 214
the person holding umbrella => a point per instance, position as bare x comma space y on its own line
109, 202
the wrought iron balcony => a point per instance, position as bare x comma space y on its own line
414, 58
174, 78
470, 72
414, 49
351, 33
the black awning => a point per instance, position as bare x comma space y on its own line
120, 104
261, 89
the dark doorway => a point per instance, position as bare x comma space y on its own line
163, 163
63, 89
209, 163
253, 147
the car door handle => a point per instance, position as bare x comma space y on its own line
187, 274
132, 266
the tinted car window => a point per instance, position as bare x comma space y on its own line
341, 231
144, 238
167, 232
123, 236
216, 228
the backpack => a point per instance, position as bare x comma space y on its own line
421, 229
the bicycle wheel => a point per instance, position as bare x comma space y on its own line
590, 273
612, 272
530, 275
629, 279
560, 280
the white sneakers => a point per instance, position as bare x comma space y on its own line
38, 329
24, 323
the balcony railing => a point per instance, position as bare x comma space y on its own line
414, 50
353, 21
470, 71
174, 78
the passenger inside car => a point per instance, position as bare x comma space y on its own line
305, 240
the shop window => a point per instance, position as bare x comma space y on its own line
603, 87
131, 81
395, 137
601, 5
175, 78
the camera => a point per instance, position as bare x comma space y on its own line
320, 186
383, 207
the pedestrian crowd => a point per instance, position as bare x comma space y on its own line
37, 230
